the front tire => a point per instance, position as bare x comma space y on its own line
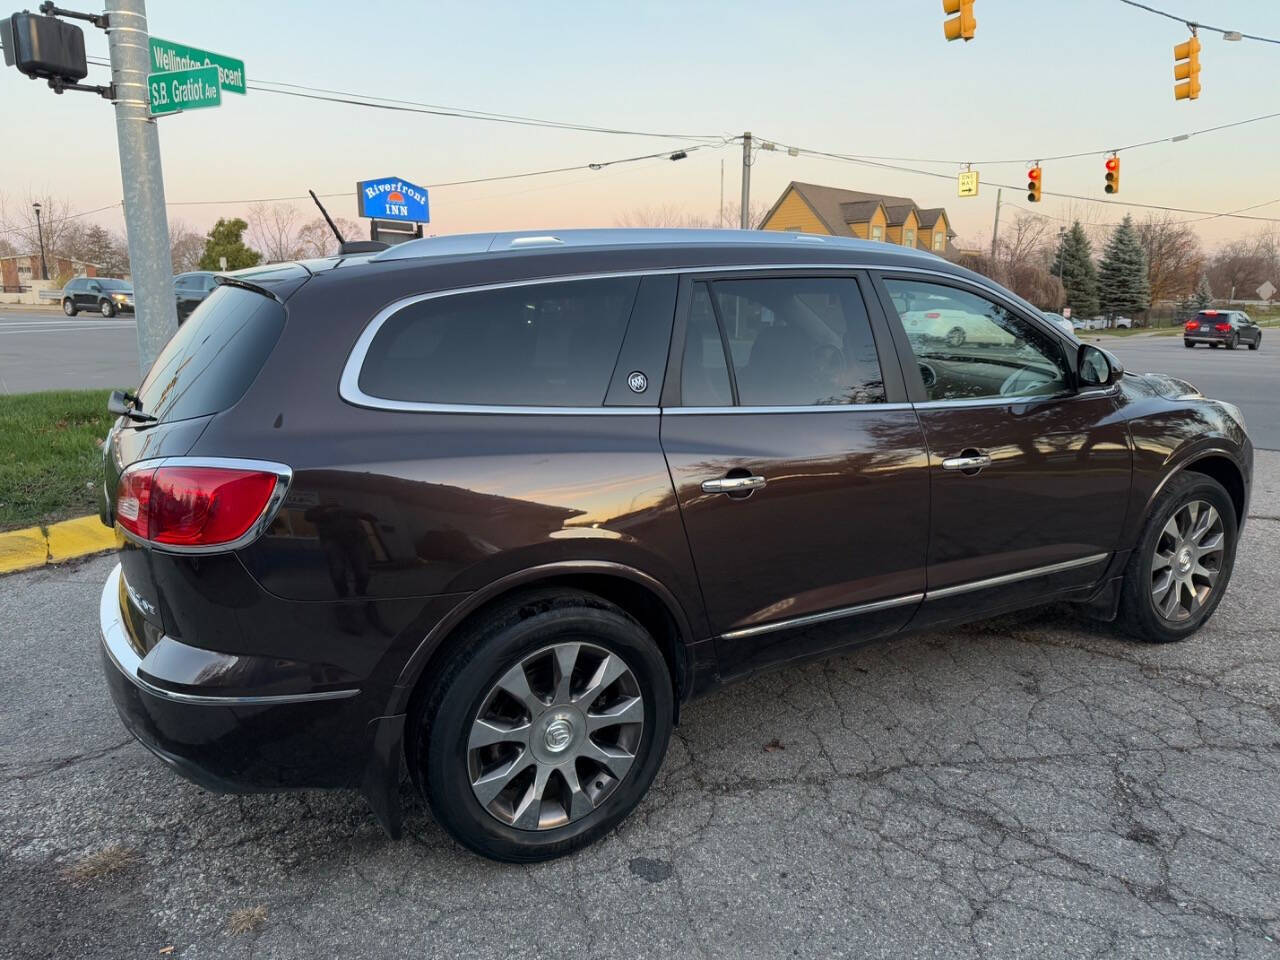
544, 729
1182, 564
69, 307
107, 309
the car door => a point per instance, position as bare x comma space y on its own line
798, 465
1028, 476
92, 293
186, 291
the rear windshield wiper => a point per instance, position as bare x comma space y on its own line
125, 404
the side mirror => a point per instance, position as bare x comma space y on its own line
117, 404
1096, 367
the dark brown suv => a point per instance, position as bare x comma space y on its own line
491, 508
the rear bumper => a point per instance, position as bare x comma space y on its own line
1206, 337
230, 742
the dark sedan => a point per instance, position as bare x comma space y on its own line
492, 508
191, 289
1222, 328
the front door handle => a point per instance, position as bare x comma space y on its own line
968, 461
733, 485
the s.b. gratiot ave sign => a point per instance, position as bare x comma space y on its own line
391, 198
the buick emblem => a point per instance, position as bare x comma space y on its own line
637, 381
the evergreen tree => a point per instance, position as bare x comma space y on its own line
1074, 264
1204, 293
1123, 286
226, 239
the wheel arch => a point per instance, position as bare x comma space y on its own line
1216, 461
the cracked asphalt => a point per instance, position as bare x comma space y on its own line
1034, 786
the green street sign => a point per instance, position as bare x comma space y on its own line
167, 56
179, 90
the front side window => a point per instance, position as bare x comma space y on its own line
969, 347
792, 341
547, 344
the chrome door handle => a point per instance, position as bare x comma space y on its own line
732, 484
975, 462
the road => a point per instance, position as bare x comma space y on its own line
43, 350
1033, 786
1248, 378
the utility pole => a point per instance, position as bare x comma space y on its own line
744, 220
720, 222
995, 227
144, 211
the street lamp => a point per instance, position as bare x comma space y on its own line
44, 269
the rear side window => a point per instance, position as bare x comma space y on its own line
214, 356
547, 344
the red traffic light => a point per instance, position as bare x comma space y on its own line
1113, 163
1033, 173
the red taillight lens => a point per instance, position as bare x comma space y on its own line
933, 314
1222, 327
1193, 324
191, 506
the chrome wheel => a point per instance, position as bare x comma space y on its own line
1187, 561
554, 736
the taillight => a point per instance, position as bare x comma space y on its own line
933, 314
1222, 327
192, 506
1193, 324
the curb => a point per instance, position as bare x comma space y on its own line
55, 543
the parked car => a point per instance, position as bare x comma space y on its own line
103, 295
1062, 323
1226, 328
190, 289
493, 508
1122, 323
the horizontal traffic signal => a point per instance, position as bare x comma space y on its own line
1113, 175
1034, 184
1186, 70
961, 25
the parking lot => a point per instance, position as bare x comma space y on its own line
1034, 786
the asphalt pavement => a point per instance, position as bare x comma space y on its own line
1034, 786
45, 350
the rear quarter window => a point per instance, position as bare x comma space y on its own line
547, 344
214, 356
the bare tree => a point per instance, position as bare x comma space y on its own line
674, 215
1174, 259
1237, 268
316, 239
273, 229
18, 223
185, 246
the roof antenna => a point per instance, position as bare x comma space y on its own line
347, 246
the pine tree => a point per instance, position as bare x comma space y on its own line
1123, 285
1074, 264
226, 239
1204, 293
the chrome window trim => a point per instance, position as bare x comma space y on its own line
812, 618
284, 477
349, 381
1015, 577
118, 649
816, 408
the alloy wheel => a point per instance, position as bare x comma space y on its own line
555, 736
1187, 561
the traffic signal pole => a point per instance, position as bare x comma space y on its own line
145, 218
744, 217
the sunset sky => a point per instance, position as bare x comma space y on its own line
866, 78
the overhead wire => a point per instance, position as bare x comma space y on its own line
1196, 23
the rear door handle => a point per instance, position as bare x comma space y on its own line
732, 484
972, 462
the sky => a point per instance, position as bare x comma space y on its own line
862, 77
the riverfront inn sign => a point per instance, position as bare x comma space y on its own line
391, 198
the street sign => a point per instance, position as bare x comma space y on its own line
1267, 290
391, 198
180, 90
967, 184
167, 56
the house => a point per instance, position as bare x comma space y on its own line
834, 211
18, 270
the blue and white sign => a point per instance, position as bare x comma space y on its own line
391, 198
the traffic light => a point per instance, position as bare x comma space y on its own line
1113, 175
1186, 70
961, 25
1033, 184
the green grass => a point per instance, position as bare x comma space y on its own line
50, 458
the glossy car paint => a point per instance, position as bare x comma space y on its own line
398, 524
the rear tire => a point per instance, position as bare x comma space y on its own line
1231, 344
1213, 345
524, 638
1188, 344
69, 307
955, 337
1138, 614
1257, 344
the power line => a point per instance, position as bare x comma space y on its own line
1194, 24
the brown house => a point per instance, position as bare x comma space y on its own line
17, 271
833, 211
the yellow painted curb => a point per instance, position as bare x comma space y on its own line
36, 546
